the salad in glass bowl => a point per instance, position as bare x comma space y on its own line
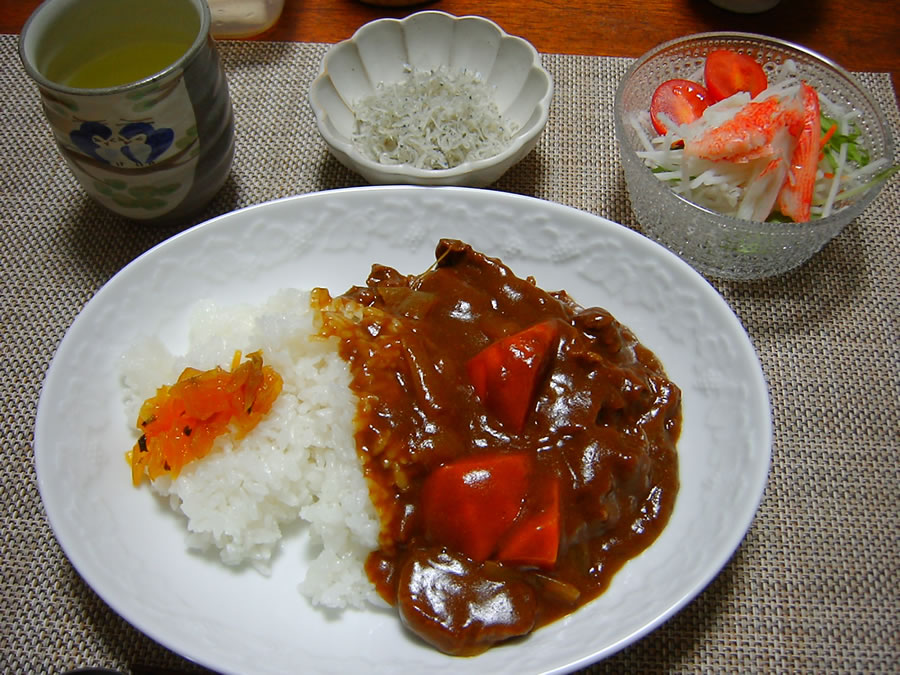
747, 154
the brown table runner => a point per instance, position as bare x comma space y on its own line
814, 586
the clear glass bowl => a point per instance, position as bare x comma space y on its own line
715, 244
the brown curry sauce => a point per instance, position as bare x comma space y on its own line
603, 425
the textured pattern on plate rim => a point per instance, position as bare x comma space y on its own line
331, 239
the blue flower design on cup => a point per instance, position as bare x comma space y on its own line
93, 138
135, 144
144, 144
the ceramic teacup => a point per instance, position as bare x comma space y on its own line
137, 100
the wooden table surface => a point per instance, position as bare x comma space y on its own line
858, 34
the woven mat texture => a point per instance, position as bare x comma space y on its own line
812, 589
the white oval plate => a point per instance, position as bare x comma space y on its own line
129, 547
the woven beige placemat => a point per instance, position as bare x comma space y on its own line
813, 588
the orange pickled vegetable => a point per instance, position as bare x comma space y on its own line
180, 423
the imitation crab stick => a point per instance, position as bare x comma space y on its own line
746, 136
795, 197
182, 421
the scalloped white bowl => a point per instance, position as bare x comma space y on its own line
381, 52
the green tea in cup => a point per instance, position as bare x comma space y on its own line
137, 99
120, 64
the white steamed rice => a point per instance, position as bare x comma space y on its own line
300, 461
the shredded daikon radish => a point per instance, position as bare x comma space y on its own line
434, 119
872, 167
835, 183
642, 135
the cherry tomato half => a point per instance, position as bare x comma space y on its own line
682, 101
729, 72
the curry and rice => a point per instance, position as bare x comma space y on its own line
458, 441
